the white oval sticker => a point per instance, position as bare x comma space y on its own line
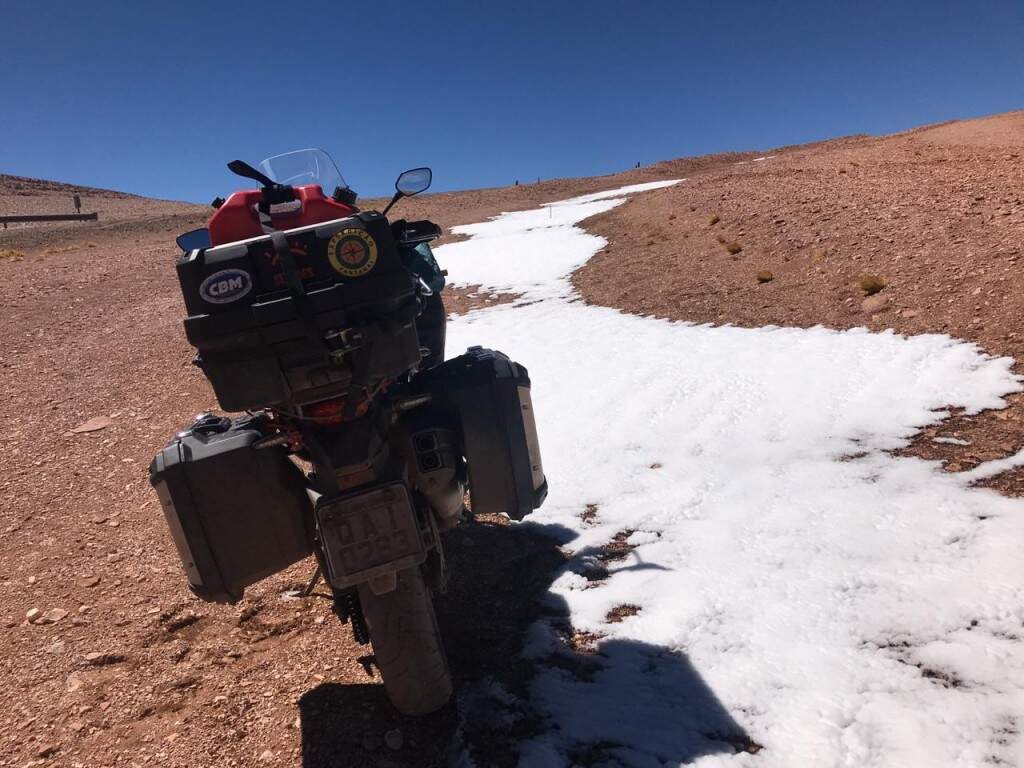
226, 286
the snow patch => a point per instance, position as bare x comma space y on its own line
798, 586
950, 441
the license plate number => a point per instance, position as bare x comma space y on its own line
369, 533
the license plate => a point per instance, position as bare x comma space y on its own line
369, 533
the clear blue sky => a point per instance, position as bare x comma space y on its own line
154, 97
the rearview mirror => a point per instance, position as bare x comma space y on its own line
414, 181
197, 238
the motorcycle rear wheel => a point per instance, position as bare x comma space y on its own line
407, 645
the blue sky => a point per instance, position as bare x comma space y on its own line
155, 98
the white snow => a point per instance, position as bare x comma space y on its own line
992, 468
798, 585
950, 441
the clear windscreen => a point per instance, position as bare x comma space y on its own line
304, 166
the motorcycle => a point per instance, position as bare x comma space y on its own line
324, 325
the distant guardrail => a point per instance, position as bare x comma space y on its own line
49, 217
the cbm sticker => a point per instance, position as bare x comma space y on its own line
226, 286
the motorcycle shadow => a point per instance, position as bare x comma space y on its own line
625, 693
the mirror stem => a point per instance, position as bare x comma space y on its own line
398, 196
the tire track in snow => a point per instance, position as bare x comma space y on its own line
772, 573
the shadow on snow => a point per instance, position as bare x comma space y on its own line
621, 703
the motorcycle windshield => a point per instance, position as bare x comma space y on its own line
304, 166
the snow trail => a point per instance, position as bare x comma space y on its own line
795, 585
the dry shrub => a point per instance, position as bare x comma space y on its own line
765, 276
870, 284
6, 254
733, 247
61, 249
714, 220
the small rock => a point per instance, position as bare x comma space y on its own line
73, 683
874, 304
48, 750
94, 424
764, 276
267, 756
53, 615
906, 313
33, 615
76, 725
99, 658
394, 739
87, 581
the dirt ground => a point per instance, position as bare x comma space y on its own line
134, 671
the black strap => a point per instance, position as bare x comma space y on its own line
298, 291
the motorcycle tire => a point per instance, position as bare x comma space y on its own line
407, 645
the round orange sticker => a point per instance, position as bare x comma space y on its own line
352, 252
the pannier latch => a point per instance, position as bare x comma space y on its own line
343, 341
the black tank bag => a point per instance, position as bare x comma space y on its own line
489, 397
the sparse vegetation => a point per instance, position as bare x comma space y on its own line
6, 254
870, 284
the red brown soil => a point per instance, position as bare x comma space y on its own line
92, 328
